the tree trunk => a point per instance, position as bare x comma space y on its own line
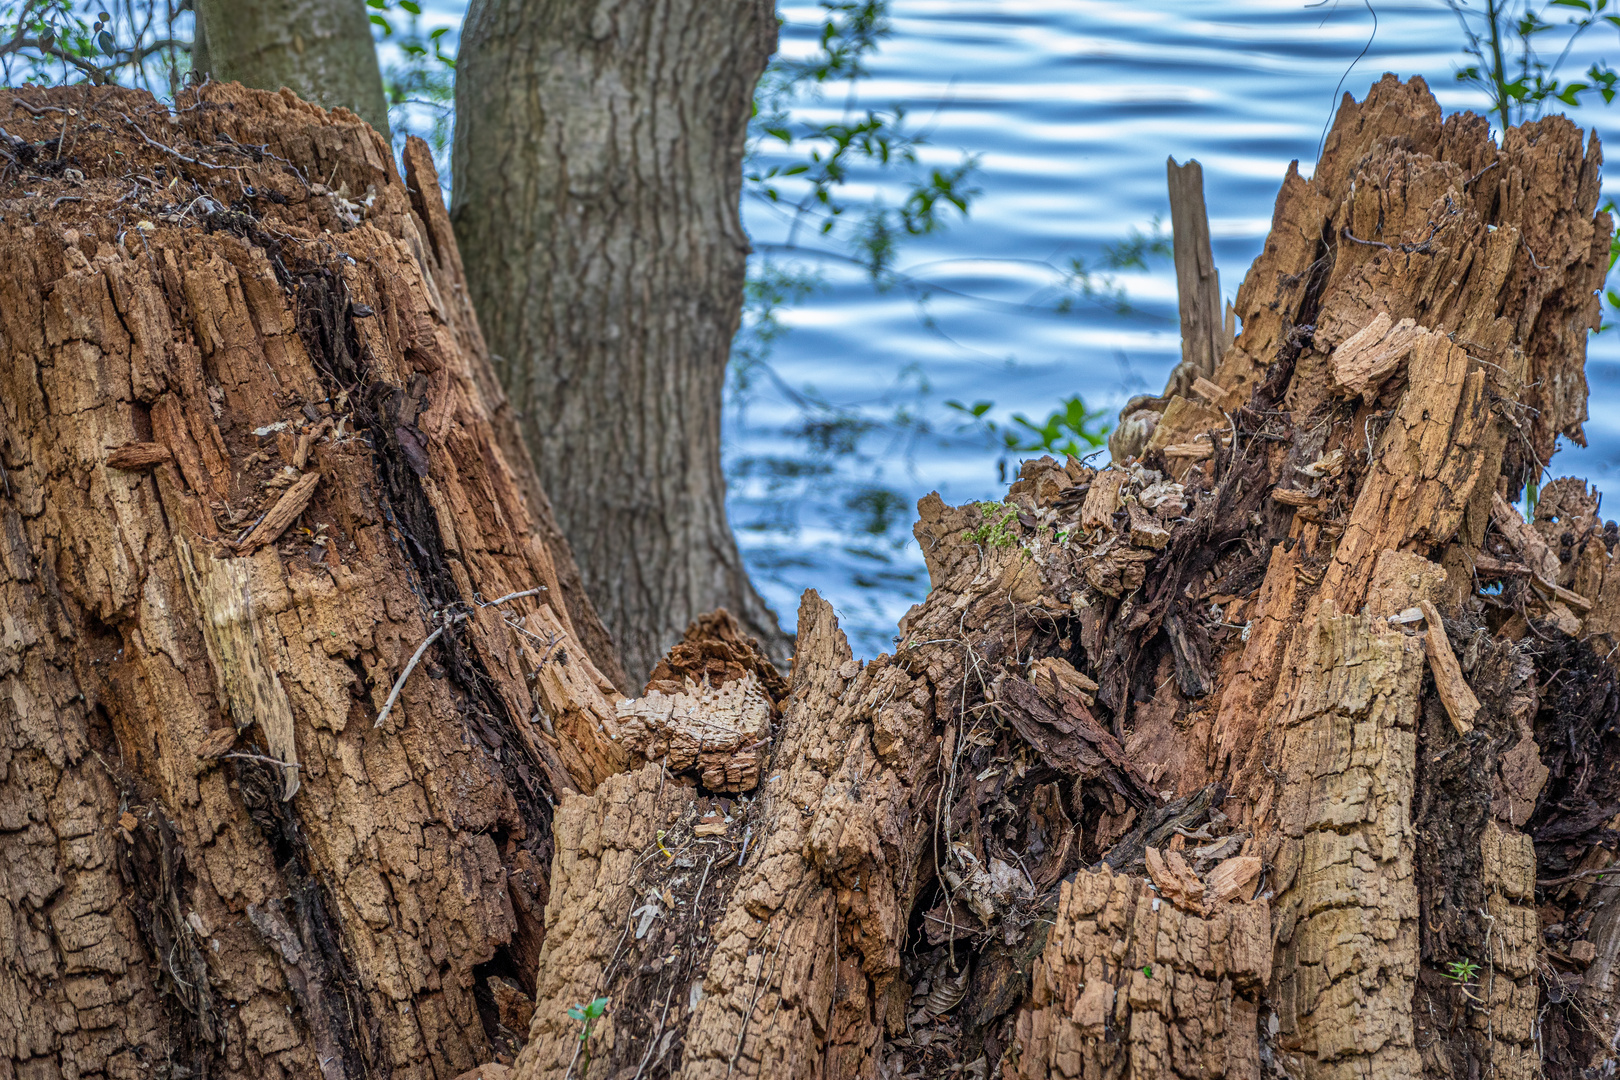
597, 179
1288, 749
321, 50
287, 688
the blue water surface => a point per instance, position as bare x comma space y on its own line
1071, 107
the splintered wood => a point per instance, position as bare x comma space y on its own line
715, 733
1133, 985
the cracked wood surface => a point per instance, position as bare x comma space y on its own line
320, 898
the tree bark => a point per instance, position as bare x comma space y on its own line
1287, 749
321, 50
247, 472
597, 178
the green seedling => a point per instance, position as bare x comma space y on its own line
1462, 971
587, 1015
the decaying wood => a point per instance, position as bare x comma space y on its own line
214, 865
1166, 787
1298, 756
135, 456
715, 733
1204, 339
1461, 704
281, 515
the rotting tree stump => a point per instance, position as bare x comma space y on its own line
1285, 749
253, 456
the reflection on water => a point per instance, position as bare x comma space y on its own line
1072, 107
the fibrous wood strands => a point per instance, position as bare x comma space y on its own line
251, 456
1284, 749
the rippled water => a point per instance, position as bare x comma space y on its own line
1072, 107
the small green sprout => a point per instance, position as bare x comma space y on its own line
587, 1015
1147, 969
1462, 971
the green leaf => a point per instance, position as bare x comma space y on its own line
411, 6
1581, 4
439, 33
378, 20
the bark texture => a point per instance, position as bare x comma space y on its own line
321, 50
1285, 749
597, 178
247, 468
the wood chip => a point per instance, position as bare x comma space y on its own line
136, 456
306, 439
1368, 357
127, 821
710, 828
1103, 499
1294, 497
217, 744
1146, 532
1459, 700
1233, 878
1541, 559
1192, 451
1212, 392
1574, 599
1174, 879
283, 514
1489, 567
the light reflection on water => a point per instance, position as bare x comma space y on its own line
1072, 107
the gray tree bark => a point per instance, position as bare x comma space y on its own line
597, 176
321, 50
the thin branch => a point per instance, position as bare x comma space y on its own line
171, 150
515, 596
266, 760
416, 658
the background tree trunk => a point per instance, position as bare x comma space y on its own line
321, 50
246, 472
597, 177
1289, 749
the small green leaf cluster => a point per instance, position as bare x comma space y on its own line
996, 529
423, 78
1462, 971
1071, 430
1504, 38
1097, 284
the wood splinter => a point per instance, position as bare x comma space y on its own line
283, 514
136, 456
1455, 694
